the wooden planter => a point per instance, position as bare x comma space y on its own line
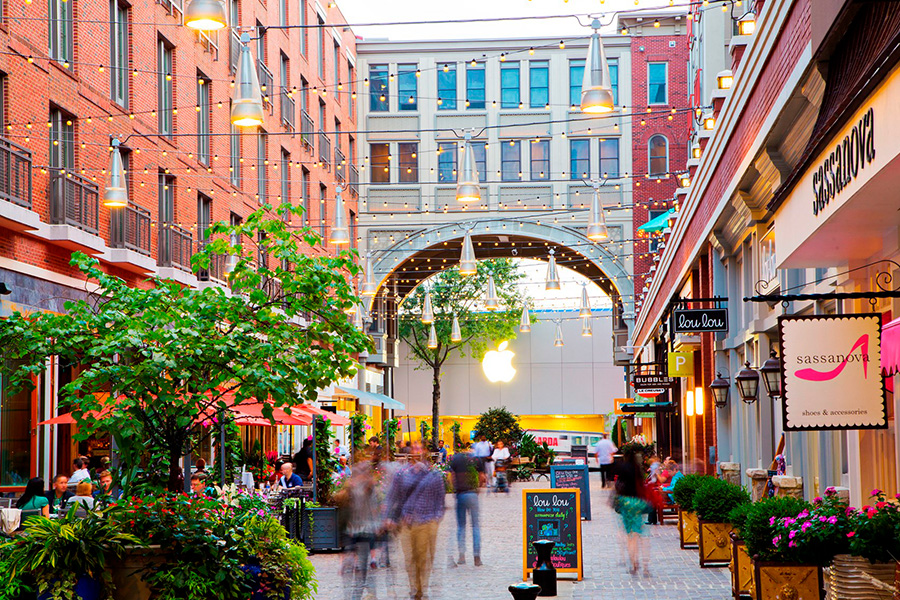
788, 581
320, 529
128, 572
688, 529
851, 578
715, 544
742, 584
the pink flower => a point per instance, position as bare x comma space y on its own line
880, 505
792, 534
822, 519
803, 514
875, 492
830, 491
792, 544
805, 526
832, 519
817, 499
775, 540
871, 512
851, 534
771, 520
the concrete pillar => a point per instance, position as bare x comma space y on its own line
731, 472
758, 479
786, 485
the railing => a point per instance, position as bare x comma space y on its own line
15, 173
210, 42
306, 130
130, 228
324, 149
339, 167
74, 200
288, 109
175, 7
266, 82
234, 51
175, 246
217, 262
354, 180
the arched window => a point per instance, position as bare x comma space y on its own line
658, 155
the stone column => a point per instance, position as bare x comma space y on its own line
731, 472
843, 493
786, 485
758, 479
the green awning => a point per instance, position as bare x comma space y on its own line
657, 223
371, 398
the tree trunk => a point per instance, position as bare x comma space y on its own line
435, 406
176, 483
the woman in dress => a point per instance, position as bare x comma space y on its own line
631, 506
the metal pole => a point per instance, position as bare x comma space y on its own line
352, 439
222, 447
314, 474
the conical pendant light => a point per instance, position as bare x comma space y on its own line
205, 15
552, 281
427, 311
491, 302
467, 263
585, 303
340, 235
432, 338
467, 189
525, 319
558, 342
586, 330
369, 286
246, 106
358, 318
455, 333
596, 89
115, 195
597, 230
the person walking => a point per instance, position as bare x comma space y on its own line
631, 506
483, 451
499, 459
464, 467
605, 450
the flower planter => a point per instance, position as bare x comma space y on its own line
850, 578
715, 544
128, 572
788, 581
742, 584
258, 593
688, 529
86, 588
320, 529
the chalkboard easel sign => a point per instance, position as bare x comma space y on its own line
553, 514
574, 476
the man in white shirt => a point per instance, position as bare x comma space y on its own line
605, 450
483, 451
81, 472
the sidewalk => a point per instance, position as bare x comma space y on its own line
675, 574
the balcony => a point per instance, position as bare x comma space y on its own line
175, 247
324, 149
266, 83
234, 51
288, 109
340, 168
306, 130
354, 179
217, 266
75, 201
15, 174
131, 229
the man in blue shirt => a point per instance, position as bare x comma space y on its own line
288, 478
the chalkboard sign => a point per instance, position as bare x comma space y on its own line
553, 514
574, 476
580, 454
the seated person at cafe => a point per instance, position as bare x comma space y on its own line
81, 472
33, 502
59, 493
675, 474
288, 478
198, 484
84, 496
106, 492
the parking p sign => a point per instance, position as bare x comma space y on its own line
681, 364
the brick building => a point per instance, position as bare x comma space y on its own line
76, 74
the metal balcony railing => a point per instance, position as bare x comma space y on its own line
306, 130
175, 246
15, 173
216, 268
74, 200
324, 149
288, 109
130, 229
340, 168
234, 51
353, 182
266, 82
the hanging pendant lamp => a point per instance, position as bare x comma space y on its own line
369, 287
558, 342
597, 230
205, 15
552, 280
467, 263
427, 311
586, 330
585, 303
358, 318
115, 195
432, 338
340, 235
246, 106
525, 319
455, 333
467, 189
491, 302
596, 88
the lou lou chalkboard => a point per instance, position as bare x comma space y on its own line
573, 476
553, 514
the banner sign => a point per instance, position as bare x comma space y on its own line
652, 382
681, 364
831, 375
552, 514
574, 476
699, 320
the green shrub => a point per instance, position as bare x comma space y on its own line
737, 516
758, 528
715, 498
683, 490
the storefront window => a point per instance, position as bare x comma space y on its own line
15, 437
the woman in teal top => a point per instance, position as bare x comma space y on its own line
33, 502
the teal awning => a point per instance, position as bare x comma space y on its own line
371, 398
657, 223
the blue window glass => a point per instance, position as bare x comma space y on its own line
509, 85
657, 83
446, 87
480, 160
447, 162
510, 161
540, 160
609, 157
580, 158
539, 83
378, 88
407, 85
475, 85
576, 78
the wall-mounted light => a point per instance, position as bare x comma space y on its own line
698, 401
709, 123
725, 79
771, 375
748, 384
719, 389
747, 24
696, 152
689, 403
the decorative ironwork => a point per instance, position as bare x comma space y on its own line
324, 149
306, 130
15, 173
288, 109
130, 228
75, 201
883, 281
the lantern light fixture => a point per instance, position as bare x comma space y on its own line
597, 230
340, 234
771, 374
596, 89
205, 15
369, 286
552, 280
748, 384
432, 338
467, 189
491, 302
246, 106
698, 401
468, 265
585, 310
689, 403
558, 342
525, 319
725, 79
455, 333
115, 195
747, 24
719, 388
427, 310
586, 330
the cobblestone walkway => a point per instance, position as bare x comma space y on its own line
674, 573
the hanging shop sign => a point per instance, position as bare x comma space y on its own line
681, 364
699, 320
656, 383
831, 374
552, 514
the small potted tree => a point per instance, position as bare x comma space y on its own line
741, 565
683, 494
713, 500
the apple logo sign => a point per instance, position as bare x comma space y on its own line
497, 364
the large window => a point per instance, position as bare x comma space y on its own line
302, 11
15, 436
510, 94
540, 160
657, 83
576, 79
351, 85
321, 57
480, 152
282, 13
165, 100
307, 194
475, 85
323, 209
510, 161
446, 87
380, 161
409, 162
614, 81
378, 88
204, 115
580, 159
609, 157
337, 68
166, 203
658, 155
61, 32
261, 157
234, 159
62, 140
407, 87
286, 183
447, 162
118, 53
539, 83
204, 217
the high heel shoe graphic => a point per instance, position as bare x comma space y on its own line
814, 375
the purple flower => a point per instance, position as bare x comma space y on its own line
771, 520
817, 499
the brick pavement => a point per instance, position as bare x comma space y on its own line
674, 573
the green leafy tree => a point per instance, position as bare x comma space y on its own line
172, 357
463, 295
498, 424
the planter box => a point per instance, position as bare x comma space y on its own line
688, 529
851, 578
127, 572
788, 581
320, 529
715, 544
742, 584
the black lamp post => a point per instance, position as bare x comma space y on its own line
748, 384
771, 375
719, 389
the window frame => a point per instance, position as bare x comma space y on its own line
650, 158
511, 154
575, 173
61, 32
471, 92
204, 119
665, 84
534, 173
376, 165
262, 153
165, 89
408, 160
515, 92
62, 155
406, 74
119, 51
447, 103
234, 155
609, 143
479, 149
451, 150
285, 191
536, 66
378, 75
576, 83
614, 79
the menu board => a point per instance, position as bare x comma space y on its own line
553, 514
574, 476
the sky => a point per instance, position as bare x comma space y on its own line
360, 12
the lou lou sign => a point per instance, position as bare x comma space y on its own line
831, 377
699, 320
